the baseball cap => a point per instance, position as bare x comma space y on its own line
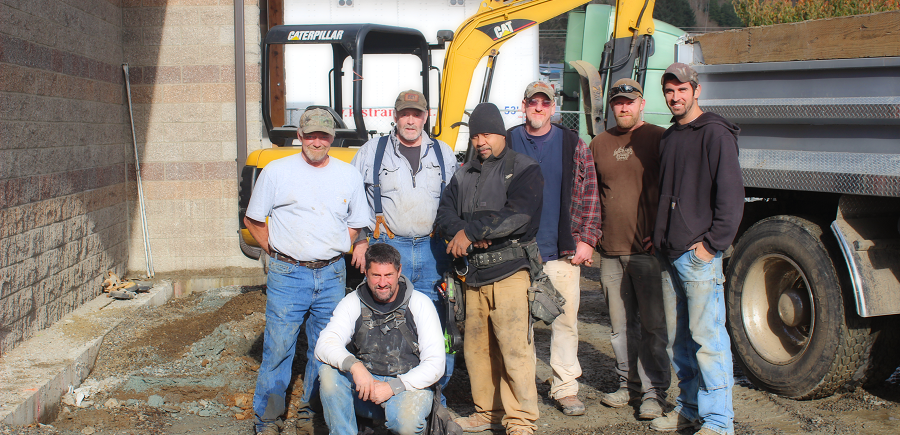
411, 100
539, 87
627, 88
316, 120
682, 72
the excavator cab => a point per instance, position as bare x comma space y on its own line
353, 41
346, 40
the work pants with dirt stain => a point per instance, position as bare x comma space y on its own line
405, 413
499, 352
700, 346
564, 330
294, 294
633, 288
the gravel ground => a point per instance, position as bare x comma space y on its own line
189, 367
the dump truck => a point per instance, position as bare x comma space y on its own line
812, 285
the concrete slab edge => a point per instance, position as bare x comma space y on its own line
43, 403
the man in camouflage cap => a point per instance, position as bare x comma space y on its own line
315, 208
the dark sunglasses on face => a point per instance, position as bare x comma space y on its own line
623, 89
533, 102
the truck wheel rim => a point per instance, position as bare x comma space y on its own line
777, 309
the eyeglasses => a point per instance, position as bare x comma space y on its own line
623, 89
534, 102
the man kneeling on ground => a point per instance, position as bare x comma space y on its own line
397, 349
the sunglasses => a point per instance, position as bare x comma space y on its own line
623, 89
534, 102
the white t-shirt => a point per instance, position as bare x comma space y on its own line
309, 209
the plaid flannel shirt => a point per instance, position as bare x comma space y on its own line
585, 209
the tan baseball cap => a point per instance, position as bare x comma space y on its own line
682, 72
411, 99
539, 87
627, 88
317, 120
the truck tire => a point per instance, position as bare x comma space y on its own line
792, 331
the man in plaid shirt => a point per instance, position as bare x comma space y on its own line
569, 228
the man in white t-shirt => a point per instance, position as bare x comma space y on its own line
305, 211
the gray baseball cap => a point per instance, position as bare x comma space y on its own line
539, 87
316, 120
411, 99
682, 72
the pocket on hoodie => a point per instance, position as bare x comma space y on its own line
679, 234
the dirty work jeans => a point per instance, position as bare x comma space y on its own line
701, 349
405, 413
499, 352
564, 330
424, 260
633, 288
294, 294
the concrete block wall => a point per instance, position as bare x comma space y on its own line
181, 54
63, 155
68, 198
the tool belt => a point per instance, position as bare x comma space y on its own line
317, 264
485, 260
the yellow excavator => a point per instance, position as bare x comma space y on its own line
495, 22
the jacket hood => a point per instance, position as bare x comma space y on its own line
365, 295
709, 118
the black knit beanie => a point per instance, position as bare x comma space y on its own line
486, 119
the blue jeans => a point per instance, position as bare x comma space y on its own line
424, 260
700, 347
294, 294
405, 413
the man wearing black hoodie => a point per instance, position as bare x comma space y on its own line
701, 200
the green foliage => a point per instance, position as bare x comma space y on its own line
763, 13
675, 12
723, 13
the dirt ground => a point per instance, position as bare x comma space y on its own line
188, 367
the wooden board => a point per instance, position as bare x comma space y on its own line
276, 66
872, 35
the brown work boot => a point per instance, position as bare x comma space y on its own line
672, 421
706, 431
477, 423
570, 405
519, 431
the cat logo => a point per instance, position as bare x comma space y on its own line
503, 29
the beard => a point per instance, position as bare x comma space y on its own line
407, 136
626, 122
315, 155
537, 123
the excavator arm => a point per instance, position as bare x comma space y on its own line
495, 23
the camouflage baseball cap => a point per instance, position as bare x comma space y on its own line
317, 120
539, 87
411, 100
683, 73
627, 88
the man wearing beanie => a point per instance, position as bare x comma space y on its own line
627, 158
570, 227
405, 173
489, 211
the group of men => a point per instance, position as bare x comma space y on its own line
669, 202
